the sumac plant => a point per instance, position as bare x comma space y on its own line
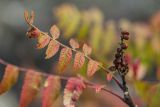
51, 88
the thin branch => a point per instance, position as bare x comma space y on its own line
89, 84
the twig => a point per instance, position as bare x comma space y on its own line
89, 84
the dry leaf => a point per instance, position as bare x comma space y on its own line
78, 60
30, 87
43, 41
64, 59
74, 44
55, 32
86, 49
51, 91
92, 67
9, 79
52, 49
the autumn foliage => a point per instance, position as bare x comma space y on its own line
49, 85
51, 88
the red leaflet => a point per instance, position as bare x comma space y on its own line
43, 41
52, 49
109, 76
86, 49
72, 91
74, 44
92, 67
78, 60
30, 87
55, 32
51, 91
64, 59
9, 78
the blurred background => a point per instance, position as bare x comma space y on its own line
97, 22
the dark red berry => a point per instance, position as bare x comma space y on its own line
124, 63
125, 37
119, 50
118, 60
124, 46
125, 33
115, 62
112, 68
117, 55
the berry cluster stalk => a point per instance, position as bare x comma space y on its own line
120, 66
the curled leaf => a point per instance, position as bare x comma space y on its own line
33, 32
78, 60
30, 89
9, 79
51, 91
43, 41
64, 59
86, 49
52, 49
55, 32
72, 91
92, 67
74, 44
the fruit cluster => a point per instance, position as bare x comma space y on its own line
119, 63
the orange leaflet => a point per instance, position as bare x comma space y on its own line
43, 41
51, 91
55, 32
9, 79
92, 67
87, 49
78, 61
52, 49
74, 44
64, 59
30, 89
